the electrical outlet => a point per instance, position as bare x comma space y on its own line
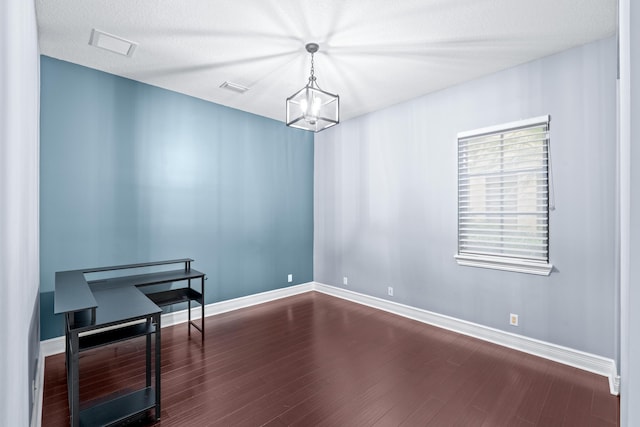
345, 281
513, 319
390, 291
290, 278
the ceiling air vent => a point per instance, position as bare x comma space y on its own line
235, 87
112, 43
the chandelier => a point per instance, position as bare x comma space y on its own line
311, 108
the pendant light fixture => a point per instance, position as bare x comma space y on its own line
311, 108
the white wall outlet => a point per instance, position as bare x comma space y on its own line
345, 281
290, 278
513, 319
390, 291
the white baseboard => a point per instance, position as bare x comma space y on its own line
576, 358
36, 411
255, 299
51, 346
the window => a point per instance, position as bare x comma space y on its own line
503, 197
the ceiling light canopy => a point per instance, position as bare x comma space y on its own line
311, 108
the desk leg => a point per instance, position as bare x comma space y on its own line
158, 347
75, 380
189, 313
148, 355
67, 356
202, 308
67, 326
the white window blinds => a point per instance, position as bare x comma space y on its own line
503, 197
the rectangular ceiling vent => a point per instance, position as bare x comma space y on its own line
112, 43
235, 87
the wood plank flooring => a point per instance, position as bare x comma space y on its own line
316, 360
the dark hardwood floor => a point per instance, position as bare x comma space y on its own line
316, 360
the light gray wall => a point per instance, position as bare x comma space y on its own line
19, 268
386, 206
630, 211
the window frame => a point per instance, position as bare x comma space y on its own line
498, 262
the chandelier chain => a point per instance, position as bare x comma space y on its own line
312, 77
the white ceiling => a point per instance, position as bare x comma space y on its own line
373, 53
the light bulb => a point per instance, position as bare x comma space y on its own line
310, 107
315, 106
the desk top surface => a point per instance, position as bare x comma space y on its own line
74, 293
117, 305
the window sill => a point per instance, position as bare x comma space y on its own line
506, 264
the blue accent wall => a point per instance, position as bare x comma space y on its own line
132, 173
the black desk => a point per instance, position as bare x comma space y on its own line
114, 309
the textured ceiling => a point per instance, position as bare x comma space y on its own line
373, 53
